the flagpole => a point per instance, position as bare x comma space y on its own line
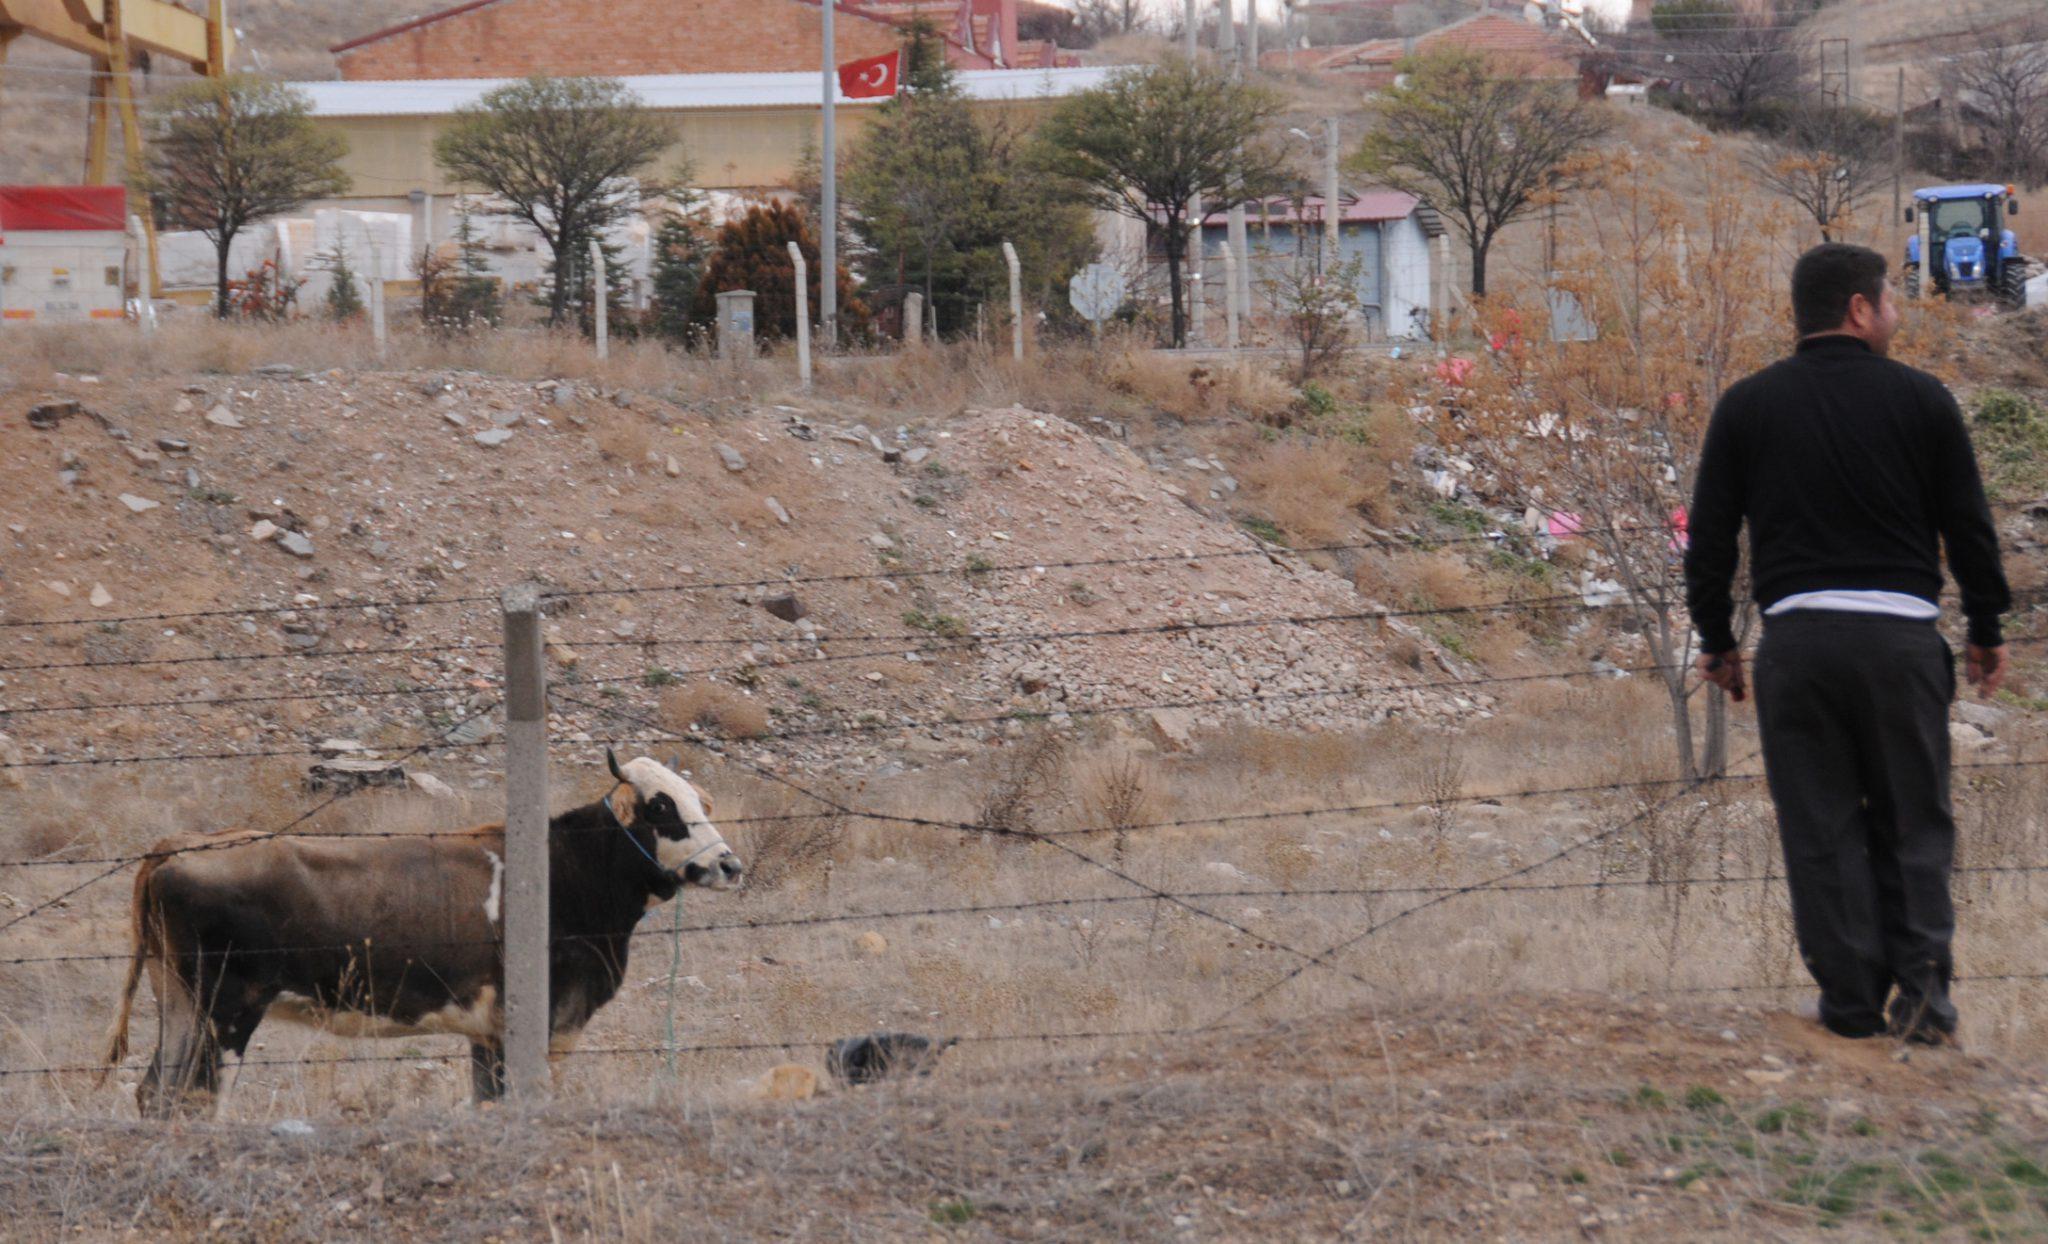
828, 228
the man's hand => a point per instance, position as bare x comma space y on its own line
1724, 670
1986, 669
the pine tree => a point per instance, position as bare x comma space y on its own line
752, 252
679, 258
344, 301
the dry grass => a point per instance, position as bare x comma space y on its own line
722, 710
1316, 490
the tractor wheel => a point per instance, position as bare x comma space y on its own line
1912, 280
2012, 283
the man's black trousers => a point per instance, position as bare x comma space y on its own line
1854, 714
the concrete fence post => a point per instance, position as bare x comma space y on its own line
525, 912
803, 314
600, 299
1016, 303
1230, 303
913, 318
145, 296
377, 333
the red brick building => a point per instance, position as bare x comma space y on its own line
622, 38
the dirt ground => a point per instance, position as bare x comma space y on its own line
1526, 1117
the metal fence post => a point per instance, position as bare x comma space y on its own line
1016, 303
526, 849
600, 297
803, 314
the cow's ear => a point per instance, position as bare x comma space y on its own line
611, 759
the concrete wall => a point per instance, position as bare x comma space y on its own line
615, 38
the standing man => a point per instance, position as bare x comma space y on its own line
1854, 473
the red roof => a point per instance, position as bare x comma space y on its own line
63, 208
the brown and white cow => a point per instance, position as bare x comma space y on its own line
396, 936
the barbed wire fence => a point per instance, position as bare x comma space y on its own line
640, 729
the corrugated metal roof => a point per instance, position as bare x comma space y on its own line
677, 92
1369, 205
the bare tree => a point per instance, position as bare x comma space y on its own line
1829, 162
1151, 141
561, 152
2003, 80
1735, 60
225, 153
1100, 19
1479, 144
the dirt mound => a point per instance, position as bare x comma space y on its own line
332, 499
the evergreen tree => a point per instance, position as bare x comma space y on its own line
752, 252
344, 301
679, 258
935, 192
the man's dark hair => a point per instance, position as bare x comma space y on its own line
1824, 280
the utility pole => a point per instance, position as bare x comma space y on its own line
828, 207
1332, 232
1191, 37
1899, 147
1234, 235
1251, 34
1193, 43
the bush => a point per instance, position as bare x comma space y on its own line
2005, 413
714, 708
753, 253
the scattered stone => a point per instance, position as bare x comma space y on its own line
1986, 717
475, 731
775, 508
672, 468
881, 1055
295, 1129
880, 541
871, 943
431, 785
916, 456
277, 369
58, 586
295, 544
1965, 735
788, 1082
338, 747
47, 415
221, 417
138, 505
493, 438
508, 418
1765, 1076
263, 530
1172, 729
100, 597
564, 394
786, 606
183, 406
892, 456
348, 774
172, 445
455, 418
732, 458
144, 455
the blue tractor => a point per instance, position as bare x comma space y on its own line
1970, 252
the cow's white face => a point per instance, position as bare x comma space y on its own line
685, 840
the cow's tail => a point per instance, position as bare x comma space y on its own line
144, 947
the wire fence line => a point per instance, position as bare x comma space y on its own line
1266, 893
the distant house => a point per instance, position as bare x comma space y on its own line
1386, 231
1531, 50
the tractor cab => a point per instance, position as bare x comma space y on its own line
1969, 251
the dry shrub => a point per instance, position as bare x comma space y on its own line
1118, 791
1023, 784
1315, 490
788, 844
621, 435
715, 707
1444, 580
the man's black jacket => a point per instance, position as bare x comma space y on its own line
1852, 470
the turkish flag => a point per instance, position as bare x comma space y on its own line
873, 78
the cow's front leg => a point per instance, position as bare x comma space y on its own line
486, 1071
